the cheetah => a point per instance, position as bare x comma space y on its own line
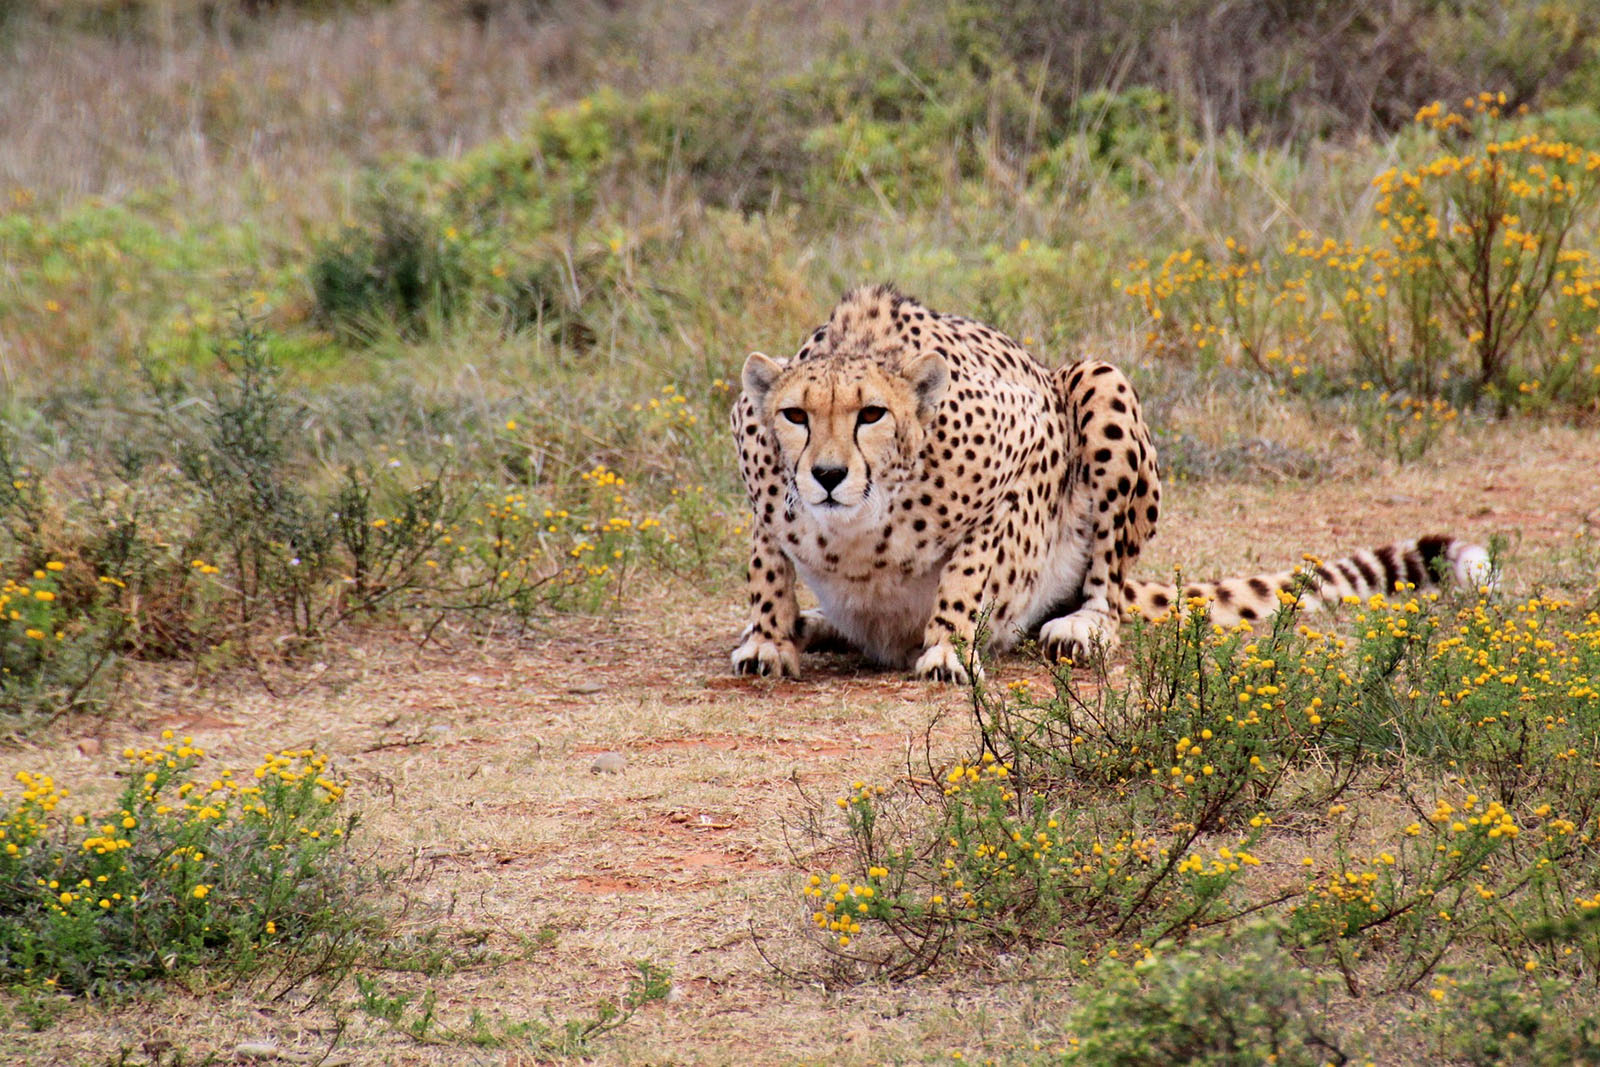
929, 481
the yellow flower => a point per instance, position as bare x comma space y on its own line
200, 891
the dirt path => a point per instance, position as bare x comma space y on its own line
472, 764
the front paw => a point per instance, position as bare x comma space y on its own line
943, 663
1078, 637
759, 655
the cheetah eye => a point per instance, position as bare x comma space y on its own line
870, 414
794, 415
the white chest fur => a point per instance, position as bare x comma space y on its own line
876, 581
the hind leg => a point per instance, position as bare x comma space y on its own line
1112, 502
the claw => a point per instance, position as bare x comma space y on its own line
942, 663
766, 658
1078, 637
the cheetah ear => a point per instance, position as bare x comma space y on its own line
929, 376
760, 372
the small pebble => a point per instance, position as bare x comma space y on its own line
608, 763
255, 1050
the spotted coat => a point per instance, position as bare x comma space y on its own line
938, 489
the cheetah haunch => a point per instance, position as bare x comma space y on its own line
923, 475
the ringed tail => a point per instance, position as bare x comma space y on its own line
1418, 563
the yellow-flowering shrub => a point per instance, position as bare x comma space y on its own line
183, 868
1466, 283
1127, 809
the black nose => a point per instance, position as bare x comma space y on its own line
828, 477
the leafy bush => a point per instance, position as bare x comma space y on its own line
182, 870
57, 653
1504, 1017
1471, 289
312, 556
1120, 813
400, 269
58, 630
1234, 1000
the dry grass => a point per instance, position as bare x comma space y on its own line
288, 107
472, 765
273, 112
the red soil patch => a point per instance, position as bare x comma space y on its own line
597, 884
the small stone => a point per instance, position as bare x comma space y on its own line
608, 763
586, 688
1593, 519
89, 746
255, 1050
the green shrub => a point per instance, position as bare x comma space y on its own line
1123, 811
57, 651
1510, 1017
1469, 288
154, 20
240, 508
1225, 1002
59, 630
271, 542
182, 870
400, 270
1124, 136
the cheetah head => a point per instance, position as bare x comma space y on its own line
847, 427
